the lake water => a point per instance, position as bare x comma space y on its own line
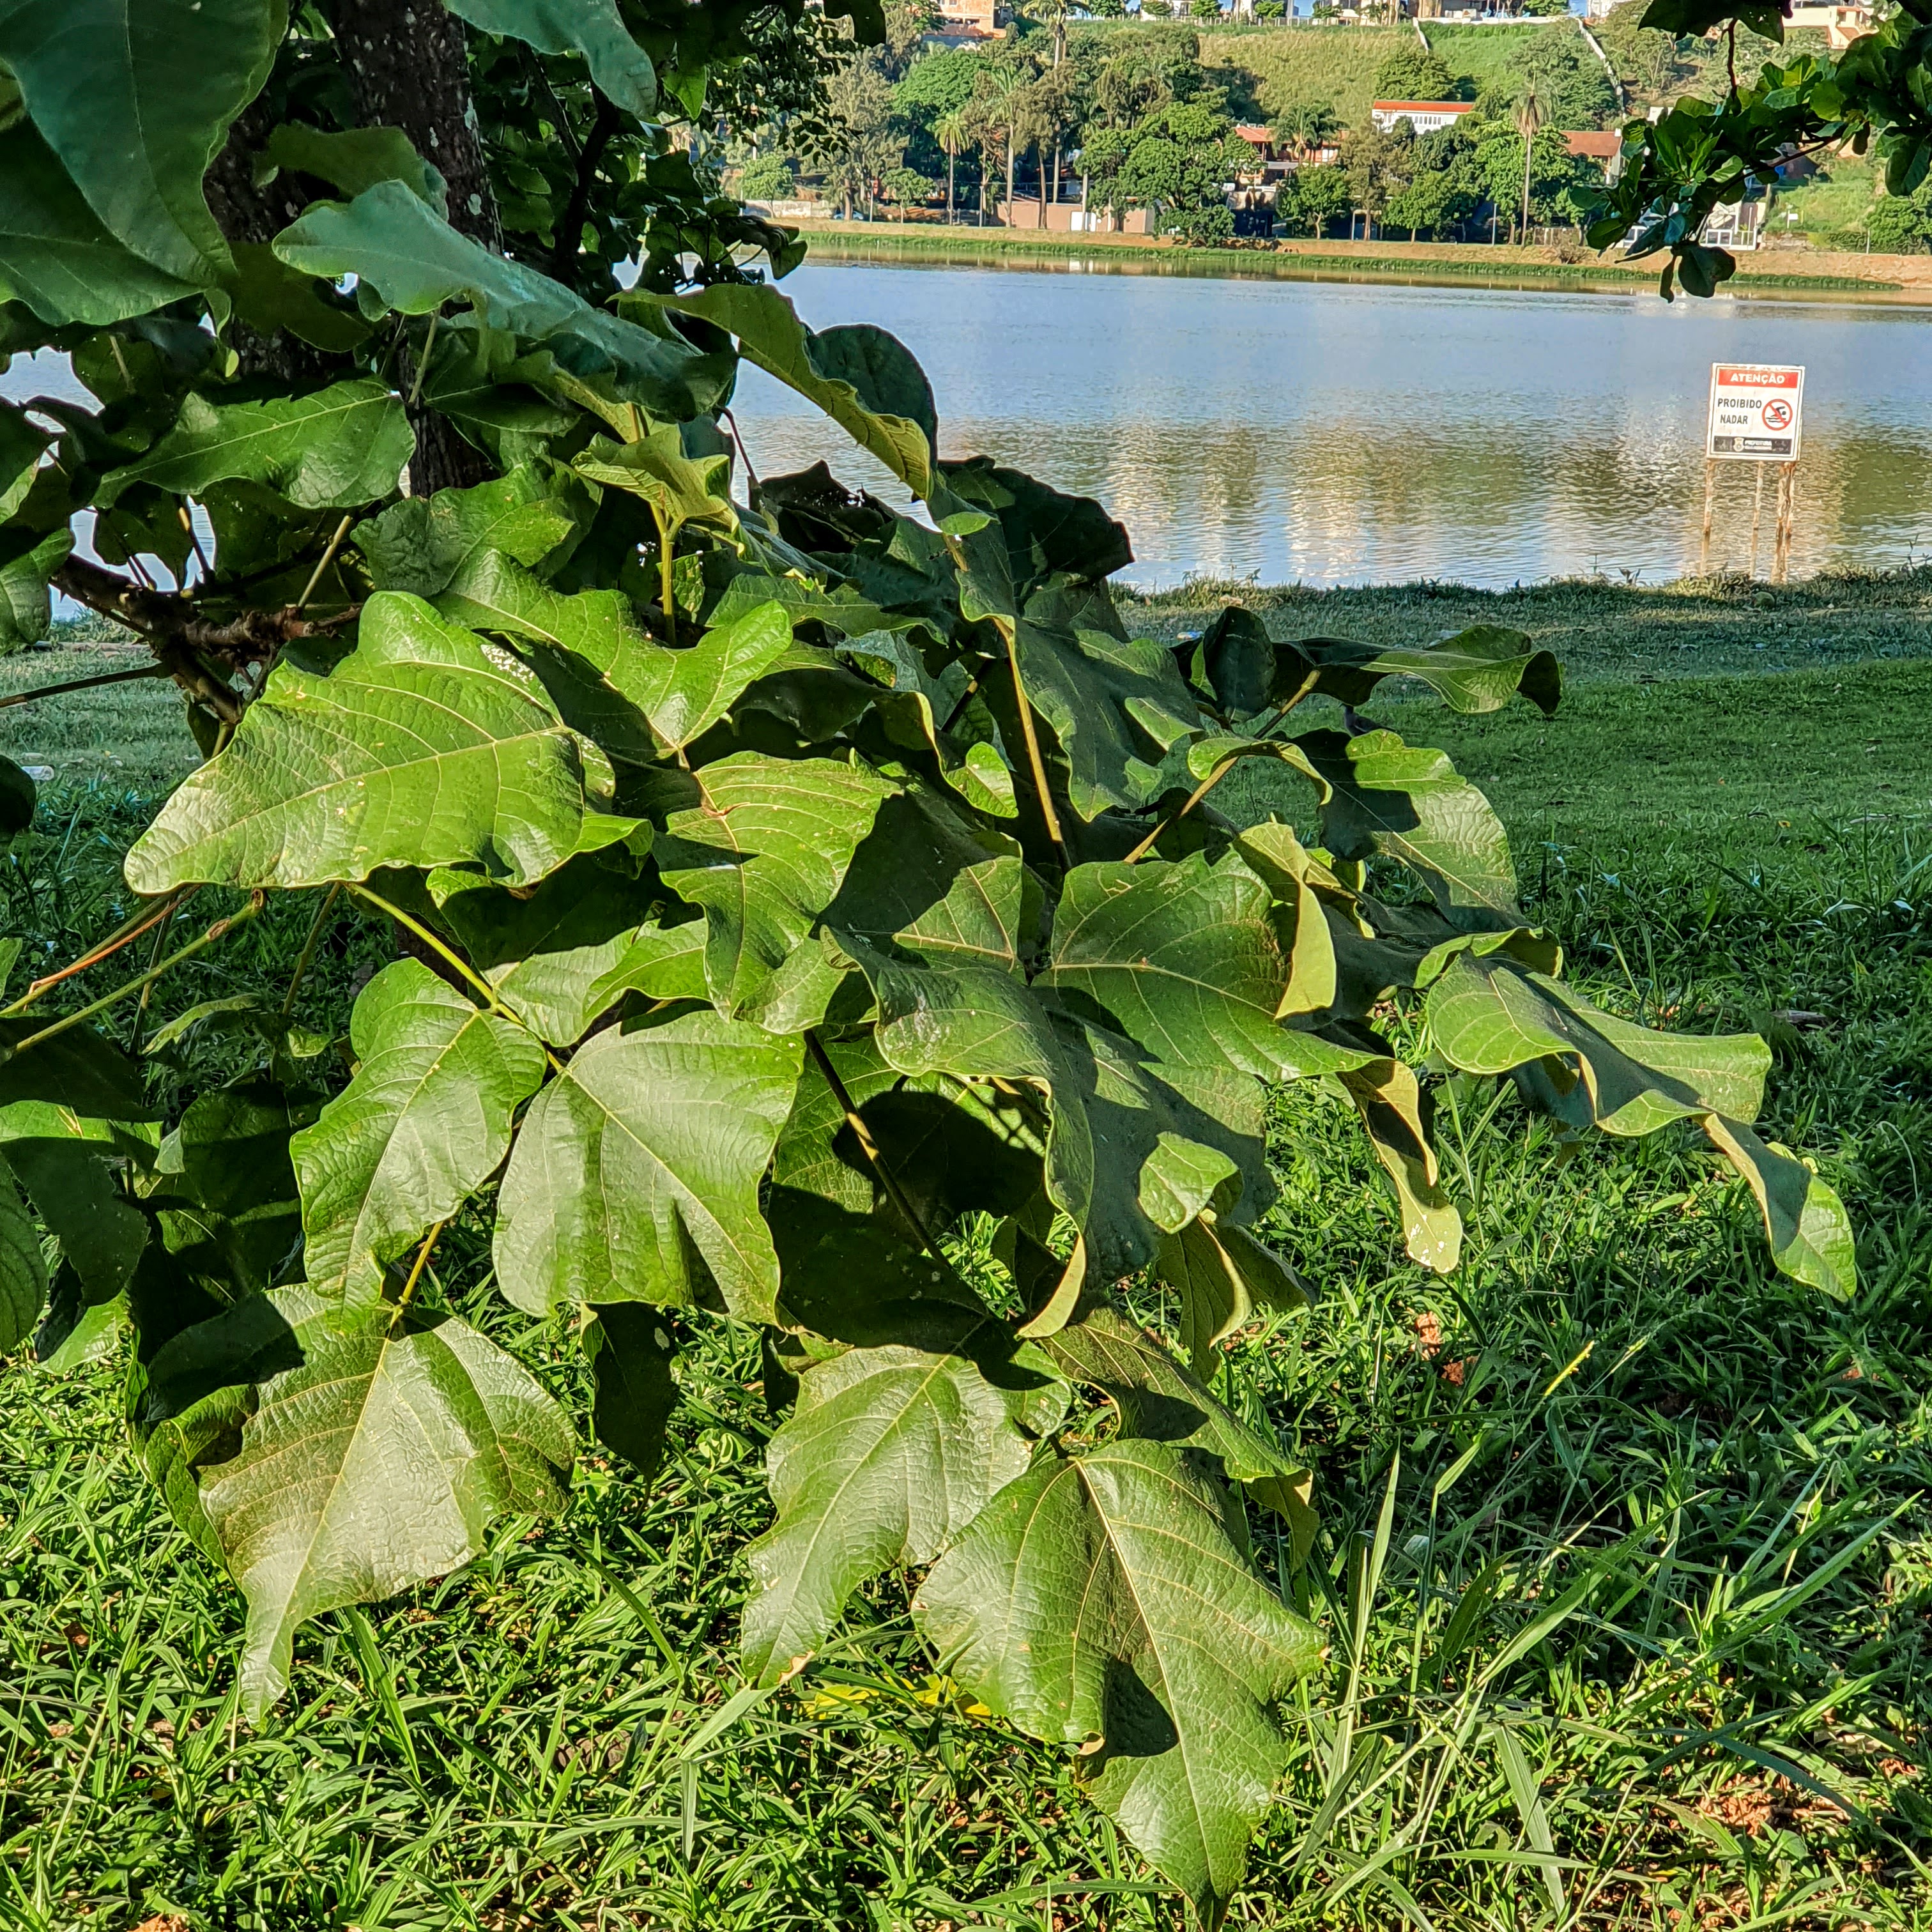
1335, 432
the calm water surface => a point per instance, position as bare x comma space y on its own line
1334, 433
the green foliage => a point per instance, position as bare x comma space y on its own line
823, 932
1412, 73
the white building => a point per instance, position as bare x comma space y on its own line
1424, 116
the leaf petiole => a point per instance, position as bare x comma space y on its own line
215, 933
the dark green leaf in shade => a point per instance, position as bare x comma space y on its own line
357, 158
1099, 1602
78, 1069
23, 1270
889, 1453
594, 29
56, 256
630, 1349
136, 98
635, 1175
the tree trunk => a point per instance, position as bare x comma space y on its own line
408, 66
1039, 184
951, 158
1012, 161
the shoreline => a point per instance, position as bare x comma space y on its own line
1893, 278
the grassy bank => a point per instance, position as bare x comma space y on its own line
1382, 259
1648, 1647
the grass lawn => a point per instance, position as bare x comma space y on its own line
1626, 1569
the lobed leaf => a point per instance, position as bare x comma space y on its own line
635, 1175
417, 749
889, 1453
424, 1123
1099, 1602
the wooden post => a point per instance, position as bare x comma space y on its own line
1757, 515
1710, 497
1781, 551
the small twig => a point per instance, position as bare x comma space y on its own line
112, 945
215, 933
870, 1148
307, 952
422, 370
1010, 633
744, 457
84, 684
1219, 771
341, 531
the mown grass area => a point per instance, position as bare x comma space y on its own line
1626, 1569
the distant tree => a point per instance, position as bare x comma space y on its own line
1205, 9
1269, 10
1379, 164
952, 133
1571, 87
940, 82
1445, 189
907, 188
1307, 127
1529, 117
1548, 10
865, 143
1413, 73
1645, 58
907, 24
768, 178
1316, 196
1898, 225
1104, 9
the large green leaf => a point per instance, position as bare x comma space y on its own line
1159, 1400
136, 98
1099, 1602
357, 158
1183, 959
424, 1123
889, 1454
1487, 1014
635, 1175
340, 446
374, 1455
591, 28
416, 261
860, 376
1410, 804
679, 489
550, 954
23, 1270
54, 254
424, 545
764, 847
418, 749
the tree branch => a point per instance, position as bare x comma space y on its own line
571, 228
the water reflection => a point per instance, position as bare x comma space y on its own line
1337, 432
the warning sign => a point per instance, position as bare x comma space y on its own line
1756, 411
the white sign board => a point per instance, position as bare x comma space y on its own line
1756, 409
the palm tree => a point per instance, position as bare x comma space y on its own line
949, 131
1005, 96
1528, 118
